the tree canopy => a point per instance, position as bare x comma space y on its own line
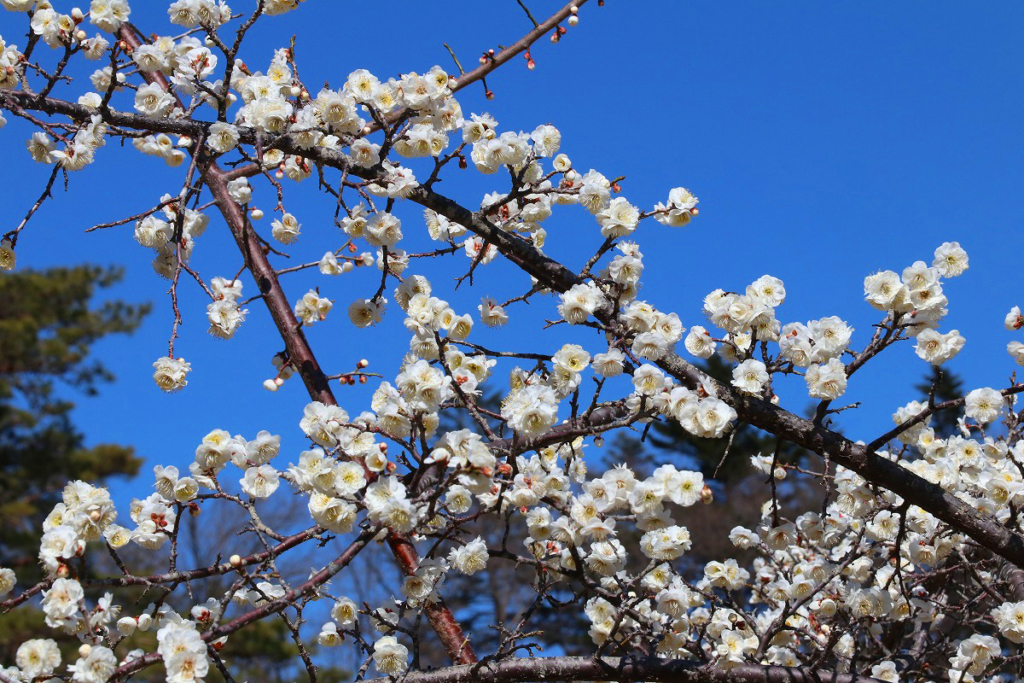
501, 501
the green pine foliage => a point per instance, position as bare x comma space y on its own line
49, 321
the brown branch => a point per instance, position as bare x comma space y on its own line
928, 412
557, 277
517, 47
760, 413
202, 572
622, 669
301, 356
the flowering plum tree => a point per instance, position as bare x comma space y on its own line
912, 568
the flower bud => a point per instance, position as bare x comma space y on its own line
270, 385
84, 650
80, 35
707, 495
235, 561
573, 20
126, 625
362, 363
256, 214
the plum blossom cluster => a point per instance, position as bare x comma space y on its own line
224, 312
914, 585
916, 298
172, 239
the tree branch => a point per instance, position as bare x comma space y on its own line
621, 669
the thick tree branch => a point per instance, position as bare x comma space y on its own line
762, 414
621, 669
300, 354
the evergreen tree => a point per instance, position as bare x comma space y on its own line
48, 323
947, 385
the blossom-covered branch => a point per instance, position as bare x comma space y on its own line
910, 565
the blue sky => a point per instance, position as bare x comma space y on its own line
825, 140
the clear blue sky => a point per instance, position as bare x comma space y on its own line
825, 141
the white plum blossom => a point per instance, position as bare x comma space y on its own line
679, 210
531, 411
937, 348
750, 376
618, 219
7, 580
579, 302
169, 373
312, 307
285, 229
469, 558
260, 482
828, 381
950, 259
38, 658
390, 656
983, 405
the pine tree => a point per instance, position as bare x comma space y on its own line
946, 385
48, 323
